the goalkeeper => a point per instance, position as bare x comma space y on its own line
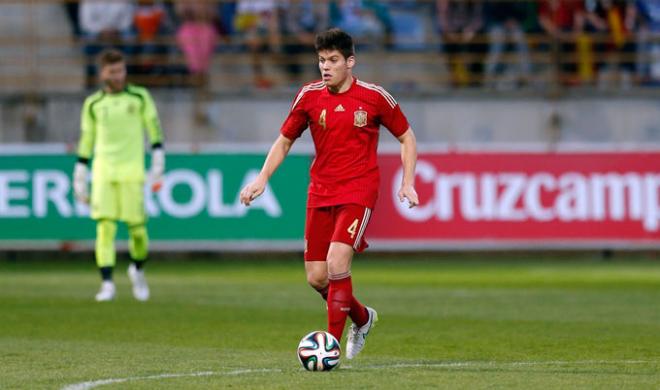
112, 124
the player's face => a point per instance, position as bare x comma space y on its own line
335, 68
113, 76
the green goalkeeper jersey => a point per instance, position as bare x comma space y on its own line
112, 131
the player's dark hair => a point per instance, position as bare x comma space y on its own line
335, 39
109, 57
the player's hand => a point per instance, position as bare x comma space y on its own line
251, 191
80, 173
408, 192
157, 169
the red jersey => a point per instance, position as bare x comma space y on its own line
345, 128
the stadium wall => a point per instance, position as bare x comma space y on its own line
469, 199
448, 120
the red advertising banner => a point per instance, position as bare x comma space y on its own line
528, 199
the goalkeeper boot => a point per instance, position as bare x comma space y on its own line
107, 292
140, 287
357, 335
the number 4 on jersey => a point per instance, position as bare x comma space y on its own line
322, 119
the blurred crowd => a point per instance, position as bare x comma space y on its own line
483, 42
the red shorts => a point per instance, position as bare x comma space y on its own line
344, 223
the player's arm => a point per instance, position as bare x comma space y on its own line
276, 155
85, 150
155, 134
295, 123
409, 161
395, 121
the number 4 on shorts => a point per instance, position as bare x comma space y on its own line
353, 228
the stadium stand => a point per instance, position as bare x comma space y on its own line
598, 51
39, 53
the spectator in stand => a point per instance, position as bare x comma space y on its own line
562, 21
615, 20
226, 13
459, 21
648, 46
72, 9
151, 23
105, 24
504, 21
365, 20
257, 21
197, 38
301, 20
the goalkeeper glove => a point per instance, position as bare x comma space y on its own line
80, 173
157, 169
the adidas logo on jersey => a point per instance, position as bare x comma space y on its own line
339, 108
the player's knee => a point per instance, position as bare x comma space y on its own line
339, 258
138, 241
317, 280
137, 232
106, 230
339, 266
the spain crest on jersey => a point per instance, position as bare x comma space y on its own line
360, 118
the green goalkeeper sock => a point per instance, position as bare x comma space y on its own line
138, 242
105, 243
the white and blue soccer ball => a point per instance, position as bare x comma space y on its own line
319, 351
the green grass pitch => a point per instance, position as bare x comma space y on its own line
455, 323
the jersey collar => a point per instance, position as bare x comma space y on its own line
346, 91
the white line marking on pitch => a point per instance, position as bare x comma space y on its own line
492, 363
102, 382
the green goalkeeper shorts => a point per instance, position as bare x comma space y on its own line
118, 201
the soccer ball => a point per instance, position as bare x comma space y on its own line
319, 351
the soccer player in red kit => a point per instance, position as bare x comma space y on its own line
344, 115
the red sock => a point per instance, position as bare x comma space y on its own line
358, 312
339, 305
